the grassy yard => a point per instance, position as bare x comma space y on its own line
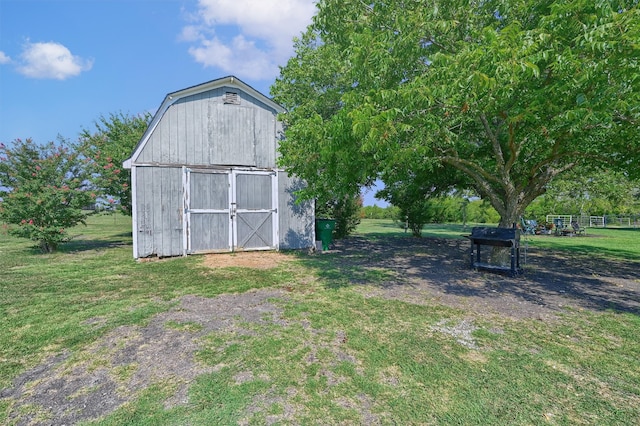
332, 355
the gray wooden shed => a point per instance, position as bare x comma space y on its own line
204, 176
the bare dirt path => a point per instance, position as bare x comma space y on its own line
437, 270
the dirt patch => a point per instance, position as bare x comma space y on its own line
70, 388
437, 271
247, 259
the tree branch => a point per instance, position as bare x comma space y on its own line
497, 149
513, 150
482, 180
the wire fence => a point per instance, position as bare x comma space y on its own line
616, 221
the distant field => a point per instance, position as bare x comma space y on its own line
609, 242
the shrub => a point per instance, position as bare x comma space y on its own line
345, 211
44, 190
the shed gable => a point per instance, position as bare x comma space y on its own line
224, 126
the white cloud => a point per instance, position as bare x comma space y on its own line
263, 37
239, 57
51, 60
190, 33
4, 59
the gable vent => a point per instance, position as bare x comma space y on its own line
231, 98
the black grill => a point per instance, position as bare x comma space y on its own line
496, 259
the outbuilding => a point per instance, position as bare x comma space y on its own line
204, 176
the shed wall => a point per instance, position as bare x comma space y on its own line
158, 211
202, 130
297, 230
159, 207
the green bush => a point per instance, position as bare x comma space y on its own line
345, 211
44, 191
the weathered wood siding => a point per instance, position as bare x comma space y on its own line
209, 161
202, 130
256, 211
209, 231
158, 210
297, 221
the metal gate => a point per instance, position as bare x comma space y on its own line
229, 210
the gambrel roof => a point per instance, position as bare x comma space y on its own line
171, 98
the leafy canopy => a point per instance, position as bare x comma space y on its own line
44, 188
106, 147
510, 93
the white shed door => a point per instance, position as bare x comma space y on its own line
228, 210
254, 210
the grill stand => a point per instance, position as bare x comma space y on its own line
495, 237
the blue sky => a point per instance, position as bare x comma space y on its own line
64, 63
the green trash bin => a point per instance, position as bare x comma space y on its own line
324, 230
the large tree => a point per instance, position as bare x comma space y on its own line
106, 147
510, 93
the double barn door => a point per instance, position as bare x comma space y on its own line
229, 210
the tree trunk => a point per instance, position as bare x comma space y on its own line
511, 215
47, 246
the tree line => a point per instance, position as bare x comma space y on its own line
577, 194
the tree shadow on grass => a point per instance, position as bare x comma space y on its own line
412, 268
88, 245
81, 243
